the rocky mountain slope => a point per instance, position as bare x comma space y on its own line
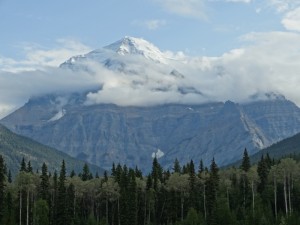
14, 147
106, 133
148, 102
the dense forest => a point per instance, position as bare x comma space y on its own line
262, 194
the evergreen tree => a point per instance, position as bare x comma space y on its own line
245, 162
113, 170
105, 176
61, 200
176, 168
9, 213
72, 174
263, 172
85, 173
192, 185
201, 167
41, 212
54, 200
23, 165
44, 184
132, 198
212, 188
70, 204
9, 178
2, 186
156, 173
29, 168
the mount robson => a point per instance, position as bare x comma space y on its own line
146, 104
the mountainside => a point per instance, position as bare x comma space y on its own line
106, 133
151, 102
286, 147
14, 147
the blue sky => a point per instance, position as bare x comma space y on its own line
256, 43
197, 27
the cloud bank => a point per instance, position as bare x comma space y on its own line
268, 62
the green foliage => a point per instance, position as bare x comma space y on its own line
41, 212
245, 161
215, 197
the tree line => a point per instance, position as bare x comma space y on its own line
262, 194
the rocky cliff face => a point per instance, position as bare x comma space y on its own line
106, 133
158, 108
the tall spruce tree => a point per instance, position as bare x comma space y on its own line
245, 162
62, 194
177, 168
23, 165
212, 188
2, 186
44, 184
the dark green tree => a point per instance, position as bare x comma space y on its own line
44, 184
177, 167
41, 212
245, 162
201, 167
2, 186
61, 199
263, 172
212, 189
29, 168
86, 175
23, 165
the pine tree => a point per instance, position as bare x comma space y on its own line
44, 184
263, 171
176, 168
156, 173
212, 188
105, 176
2, 186
54, 200
23, 165
29, 168
85, 173
72, 174
70, 204
9, 177
61, 200
113, 170
192, 185
41, 212
201, 167
246, 161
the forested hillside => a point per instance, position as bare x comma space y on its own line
14, 147
262, 194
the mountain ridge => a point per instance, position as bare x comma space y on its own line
14, 147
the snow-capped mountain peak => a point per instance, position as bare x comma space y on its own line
137, 46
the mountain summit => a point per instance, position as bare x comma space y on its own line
137, 46
114, 55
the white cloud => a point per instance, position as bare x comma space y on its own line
239, 1
291, 20
282, 6
267, 62
155, 24
38, 57
187, 8
150, 24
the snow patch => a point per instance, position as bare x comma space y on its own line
58, 115
158, 154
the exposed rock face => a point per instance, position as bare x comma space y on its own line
106, 133
82, 126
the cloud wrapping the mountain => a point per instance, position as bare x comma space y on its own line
268, 62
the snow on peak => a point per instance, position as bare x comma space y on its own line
137, 46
